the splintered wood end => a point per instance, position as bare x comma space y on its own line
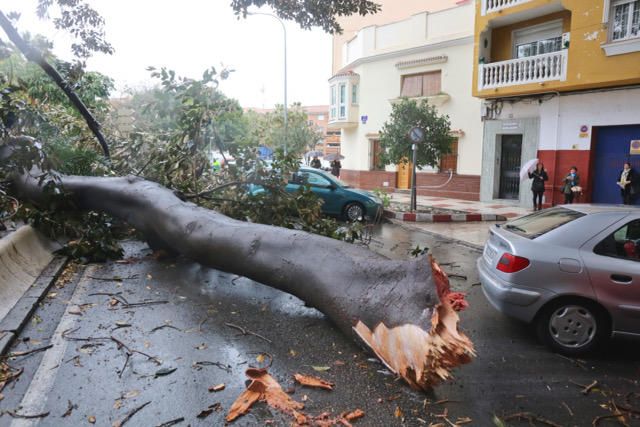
423, 358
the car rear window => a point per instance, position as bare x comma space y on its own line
541, 222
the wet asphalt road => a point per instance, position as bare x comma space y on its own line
87, 372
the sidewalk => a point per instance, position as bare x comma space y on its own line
472, 211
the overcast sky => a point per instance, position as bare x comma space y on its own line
192, 35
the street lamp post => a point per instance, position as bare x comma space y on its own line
284, 30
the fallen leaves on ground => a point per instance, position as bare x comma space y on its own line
321, 368
264, 388
8, 374
70, 407
398, 412
314, 382
216, 388
164, 372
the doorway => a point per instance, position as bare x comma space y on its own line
510, 162
612, 149
404, 175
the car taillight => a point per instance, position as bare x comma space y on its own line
512, 264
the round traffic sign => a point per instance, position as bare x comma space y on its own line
416, 135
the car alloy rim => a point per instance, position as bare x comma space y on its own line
572, 326
354, 212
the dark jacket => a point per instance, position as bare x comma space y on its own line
315, 163
570, 183
539, 179
632, 178
335, 167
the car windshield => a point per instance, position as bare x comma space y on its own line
327, 176
541, 222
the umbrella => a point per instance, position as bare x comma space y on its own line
313, 154
333, 156
527, 168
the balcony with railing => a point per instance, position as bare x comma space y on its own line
532, 69
490, 6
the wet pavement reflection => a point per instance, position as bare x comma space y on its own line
199, 333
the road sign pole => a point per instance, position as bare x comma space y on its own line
414, 195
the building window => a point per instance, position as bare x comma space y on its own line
343, 100
425, 84
354, 94
320, 117
334, 99
625, 20
538, 40
450, 161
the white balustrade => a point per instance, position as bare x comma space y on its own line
489, 6
532, 69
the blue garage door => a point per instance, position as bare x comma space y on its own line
611, 151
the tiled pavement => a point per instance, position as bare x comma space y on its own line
479, 208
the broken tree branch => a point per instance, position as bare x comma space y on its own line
28, 352
171, 423
15, 414
36, 57
528, 416
244, 331
130, 415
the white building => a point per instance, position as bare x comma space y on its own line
415, 50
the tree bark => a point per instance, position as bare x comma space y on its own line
35, 56
399, 309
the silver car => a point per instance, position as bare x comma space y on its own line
573, 271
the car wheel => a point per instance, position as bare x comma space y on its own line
573, 327
354, 212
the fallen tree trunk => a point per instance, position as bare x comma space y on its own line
399, 309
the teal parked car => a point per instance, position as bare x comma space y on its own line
339, 199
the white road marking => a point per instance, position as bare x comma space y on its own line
35, 399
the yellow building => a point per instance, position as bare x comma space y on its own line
560, 82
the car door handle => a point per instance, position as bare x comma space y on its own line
621, 279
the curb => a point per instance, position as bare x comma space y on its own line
13, 323
23, 255
424, 217
469, 245
28, 268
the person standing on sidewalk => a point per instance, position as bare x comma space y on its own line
335, 168
539, 176
627, 182
571, 185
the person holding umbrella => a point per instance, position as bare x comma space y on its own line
335, 163
539, 176
315, 163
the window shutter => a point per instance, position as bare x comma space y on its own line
411, 86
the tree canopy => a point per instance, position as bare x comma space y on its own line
311, 13
182, 122
406, 114
268, 129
